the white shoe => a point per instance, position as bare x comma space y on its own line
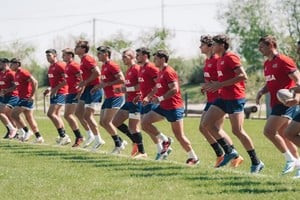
117, 150
39, 140
27, 135
89, 141
289, 167
98, 145
58, 140
297, 176
65, 140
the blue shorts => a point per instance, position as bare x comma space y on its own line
208, 104
230, 106
171, 115
70, 99
10, 101
25, 103
89, 98
59, 99
131, 107
113, 102
1, 99
147, 108
284, 111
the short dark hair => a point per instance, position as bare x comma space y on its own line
53, 51
83, 44
162, 54
104, 49
4, 60
206, 39
267, 40
15, 60
222, 39
144, 51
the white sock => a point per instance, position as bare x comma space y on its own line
163, 137
191, 154
10, 126
99, 139
89, 133
159, 147
288, 156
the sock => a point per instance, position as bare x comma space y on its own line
124, 129
99, 139
226, 147
10, 126
89, 133
61, 132
138, 139
191, 154
217, 148
22, 131
77, 133
37, 134
253, 157
163, 137
288, 156
117, 141
159, 147
25, 129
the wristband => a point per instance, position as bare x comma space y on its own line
160, 98
130, 89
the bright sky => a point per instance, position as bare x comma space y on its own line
39, 22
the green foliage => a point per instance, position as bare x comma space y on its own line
118, 42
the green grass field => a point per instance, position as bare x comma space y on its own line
47, 171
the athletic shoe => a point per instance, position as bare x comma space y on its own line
140, 155
135, 149
117, 150
6, 136
297, 176
228, 158
78, 141
12, 133
237, 161
39, 140
192, 161
289, 167
158, 156
65, 140
219, 160
165, 146
89, 141
165, 155
257, 168
98, 145
26, 136
58, 140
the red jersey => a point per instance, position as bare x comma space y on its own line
24, 86
132, 79
211, 74
56, 73
7, 79
166, 76
226, 66
88, 63
72, 76
108, 71
147, 76
276, 73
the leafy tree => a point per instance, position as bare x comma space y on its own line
247, 21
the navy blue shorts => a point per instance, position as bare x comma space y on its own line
171, 115
208, 104
113, 102
284, 111
147, 108
70, 99
89, 98
230, 106
10, 101
131, 107
25, 103
59, 99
